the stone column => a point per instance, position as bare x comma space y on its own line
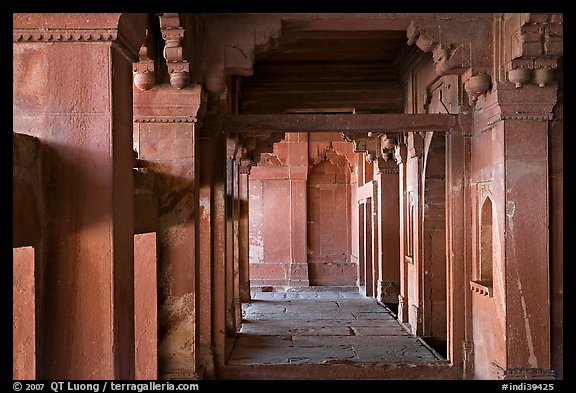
166, 140
388, 259
231, 168
521, 198
72, 77
415, 268
368, 240
298, 274
236, 247
298, 174
458, 267
210, 171
400, 157
244, 239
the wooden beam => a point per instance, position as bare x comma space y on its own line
320, 122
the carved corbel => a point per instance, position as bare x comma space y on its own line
242, 159
369, 144
537, 46
143, 71
256, 144
400, 153
476, 86
451, 61
426, 37
173, 35
448, 59
388, 143
415, 145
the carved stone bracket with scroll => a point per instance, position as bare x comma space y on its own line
452, 53
256, 144
376, 145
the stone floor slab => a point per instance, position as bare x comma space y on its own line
313, 326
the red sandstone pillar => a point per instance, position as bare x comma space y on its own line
298, 173
244, 240
388, 214
375, 217
72, 89
218, 219
414, 205
166, 140
24, 314
521, 194
458, 261
209, 168
145, 306
231, 254
400, 157
368, 240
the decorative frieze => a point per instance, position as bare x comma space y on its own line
522, 373
164, 119
480, 288
76, 35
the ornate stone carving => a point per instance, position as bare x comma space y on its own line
400, 153
476, 86
259, 143
448, 58
536, 48
144, 70
519, 76
425, 36
415, 145
173, 35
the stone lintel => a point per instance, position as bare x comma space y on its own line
331, 122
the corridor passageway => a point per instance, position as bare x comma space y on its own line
323, 325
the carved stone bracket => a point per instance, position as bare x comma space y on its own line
536, 47
449, 59
173, 35
143, 71
234, 43
415, 145
400, 153
254, 145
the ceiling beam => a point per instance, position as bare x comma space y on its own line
322, 122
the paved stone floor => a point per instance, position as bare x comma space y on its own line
323, 326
